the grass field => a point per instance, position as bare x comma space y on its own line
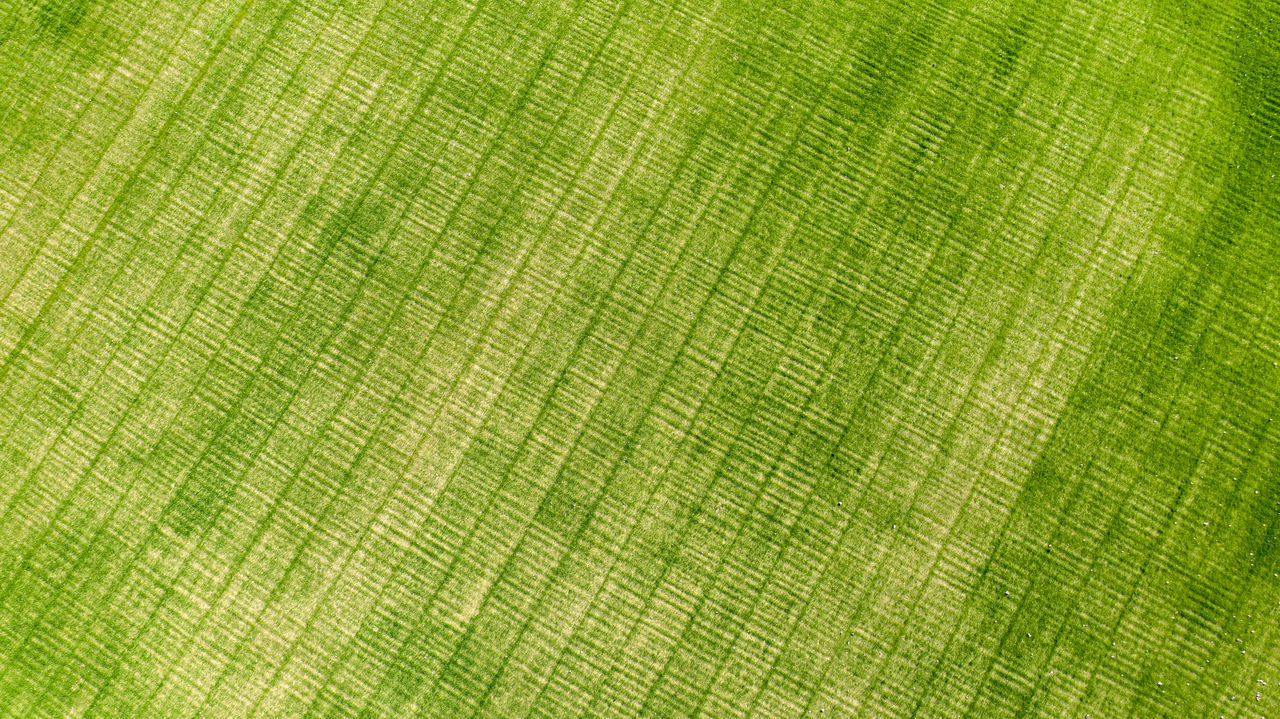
639, 358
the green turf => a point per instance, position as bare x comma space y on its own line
410, 358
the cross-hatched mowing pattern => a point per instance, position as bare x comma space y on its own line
639, 358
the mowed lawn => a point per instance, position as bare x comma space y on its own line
639, 358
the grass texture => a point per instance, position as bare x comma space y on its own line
639, 358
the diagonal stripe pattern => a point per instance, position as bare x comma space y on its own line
639, 358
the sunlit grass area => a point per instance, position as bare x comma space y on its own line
413, 358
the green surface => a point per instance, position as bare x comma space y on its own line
639, 359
